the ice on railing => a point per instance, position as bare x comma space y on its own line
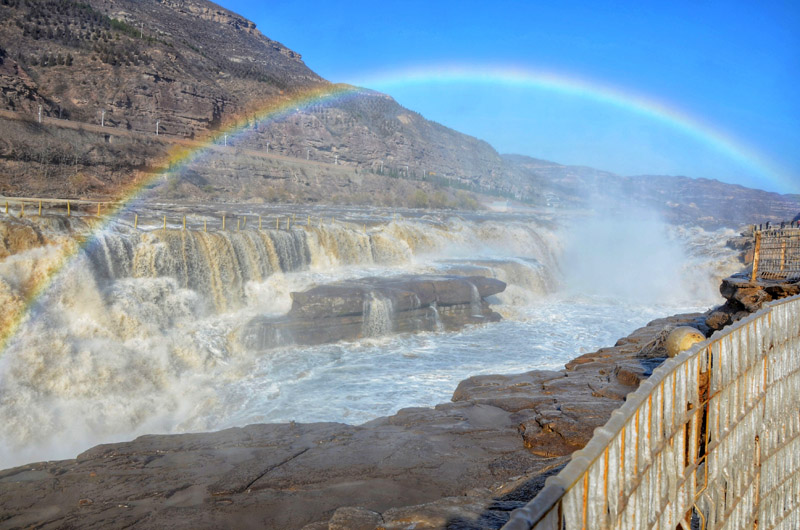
728, 451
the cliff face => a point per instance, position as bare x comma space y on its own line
186, 64
188, 67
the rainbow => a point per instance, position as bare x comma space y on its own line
179, 156
285, 105
692, 126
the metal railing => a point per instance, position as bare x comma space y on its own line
776, 254
33, 207
713, 435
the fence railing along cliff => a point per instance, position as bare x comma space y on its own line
776, 255
713, 435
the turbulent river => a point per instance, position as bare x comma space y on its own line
138, 332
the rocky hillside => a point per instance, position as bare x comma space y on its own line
108, 74
188, 67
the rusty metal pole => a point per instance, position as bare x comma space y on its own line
783, 254
756, 254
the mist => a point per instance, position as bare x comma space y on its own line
633, 256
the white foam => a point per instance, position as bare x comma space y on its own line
146, 346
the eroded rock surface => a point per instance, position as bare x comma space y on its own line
464, 464
354, 309
744, 296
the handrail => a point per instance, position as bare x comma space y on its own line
279, 222
776, 252
686, 440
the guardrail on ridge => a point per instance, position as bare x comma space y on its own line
713, 434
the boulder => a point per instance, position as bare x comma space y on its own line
353, 309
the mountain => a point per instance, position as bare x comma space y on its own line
678, 199
107, 74
188, 68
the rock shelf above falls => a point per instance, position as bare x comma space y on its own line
370, 307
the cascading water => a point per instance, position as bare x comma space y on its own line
475, 301
378, 314
437, 319
134, 335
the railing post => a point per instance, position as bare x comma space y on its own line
756, 253
783, 253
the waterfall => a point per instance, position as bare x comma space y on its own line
475, 301
133, 335
437, 319
378, 315
219, 265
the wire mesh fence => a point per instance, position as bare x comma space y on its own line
777, 254
711, 441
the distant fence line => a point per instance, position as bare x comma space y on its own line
713, 435
776, 253
224, 221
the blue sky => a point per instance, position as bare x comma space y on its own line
731, 70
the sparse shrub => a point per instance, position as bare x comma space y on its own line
420, 199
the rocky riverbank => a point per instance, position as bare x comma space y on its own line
462, 464
744, 296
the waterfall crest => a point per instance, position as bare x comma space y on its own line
133, 335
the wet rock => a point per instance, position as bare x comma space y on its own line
354, 518
744, 297
376, 306
464, 512
18, 235
463, 464
404, 293
749, 296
